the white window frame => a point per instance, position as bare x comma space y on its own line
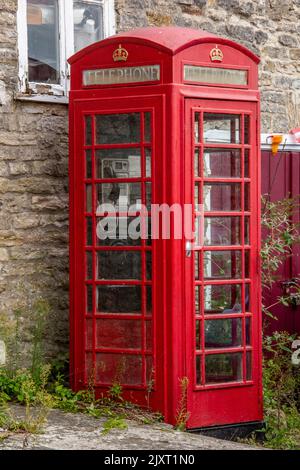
54, 92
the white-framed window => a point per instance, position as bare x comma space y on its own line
49, 32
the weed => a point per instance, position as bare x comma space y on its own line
150, 386
182, 415
115, 392
117, 422
281, 385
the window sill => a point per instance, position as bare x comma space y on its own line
42, 98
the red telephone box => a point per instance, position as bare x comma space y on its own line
167, 116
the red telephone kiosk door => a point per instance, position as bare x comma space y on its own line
223, 327
115, 305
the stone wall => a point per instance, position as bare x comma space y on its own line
34, 139
270, 28
33, 197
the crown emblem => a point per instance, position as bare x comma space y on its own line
120, 54
216, 55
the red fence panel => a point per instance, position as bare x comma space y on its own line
281, 179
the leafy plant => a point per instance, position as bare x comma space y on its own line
281, 385
280, 235
117, 422
115, 392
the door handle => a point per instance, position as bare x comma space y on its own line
188, 249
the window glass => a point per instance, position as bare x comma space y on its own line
223, 333
118, 128
222, 163
128, 368
118, 299
119, 265
223, 264
223, 197
222, 231
223, 368
118, 163
88, 23
222, 299
222, 128
43, 41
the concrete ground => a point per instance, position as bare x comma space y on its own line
65, 431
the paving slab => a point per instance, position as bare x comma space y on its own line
66, 431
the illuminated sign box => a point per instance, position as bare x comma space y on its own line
120, 75
215, 75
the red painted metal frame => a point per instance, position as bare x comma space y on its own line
173, 283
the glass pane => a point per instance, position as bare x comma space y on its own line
149, 336
89, 231
148, 300
247, 264
199, 232
197, 195
88, 164
148, 196
249, 365
247, 197
89, 198
222, 231
148, 163
118, 231
89, 265
88, 23
147, 230
118, 368
118, 128
246, 129
198, 371
196, 128
222, 197
214, 75
89, 299
247, 230
223, 264
248, 331
197, 264
118, 163
222, 163
118, 265
150, 372
247, 298
123, 334
197, 300
222, 299
89, 334
124, 195
148, 265
196, 162
221, 128
119, 299
148, 130
89, 368
198, 334
225, 333
43, 41
246, 163
88, 130
223, 368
